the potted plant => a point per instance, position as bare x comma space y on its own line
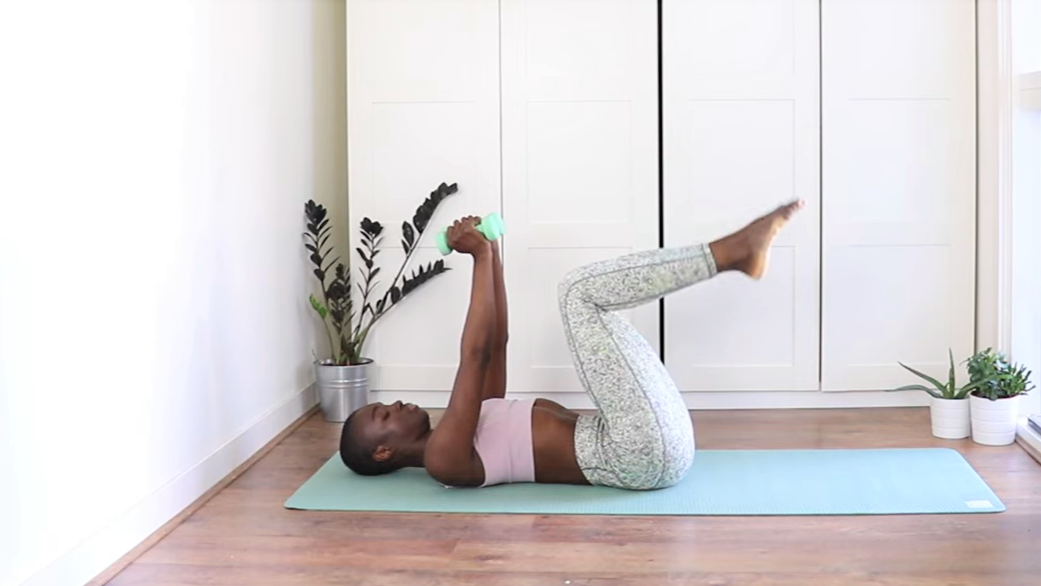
342, 376
948, 405
995, 400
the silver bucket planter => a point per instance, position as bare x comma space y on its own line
342, 390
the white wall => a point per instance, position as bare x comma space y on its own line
154, 332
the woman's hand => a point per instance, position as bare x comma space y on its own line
463, 237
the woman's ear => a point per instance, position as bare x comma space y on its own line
382, 454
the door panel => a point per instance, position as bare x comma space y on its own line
741, 136
899, 189
580, 163
423, 109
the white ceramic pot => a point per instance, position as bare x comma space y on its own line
950, 418
994, 422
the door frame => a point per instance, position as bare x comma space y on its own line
994, 174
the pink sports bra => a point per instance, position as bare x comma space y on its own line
503, 441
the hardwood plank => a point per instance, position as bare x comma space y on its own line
831, 552
244, 536
303, 551
175, 575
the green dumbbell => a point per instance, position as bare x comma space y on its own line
491, 226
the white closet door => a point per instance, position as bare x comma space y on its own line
899, 188
580, 178
741, 136
423, 108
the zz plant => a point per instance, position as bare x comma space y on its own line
347, 328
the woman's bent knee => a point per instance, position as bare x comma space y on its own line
677, 470
667, 468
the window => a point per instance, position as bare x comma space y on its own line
1025, 54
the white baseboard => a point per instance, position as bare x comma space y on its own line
93, 556
702, 400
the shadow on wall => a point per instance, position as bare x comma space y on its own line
329, 120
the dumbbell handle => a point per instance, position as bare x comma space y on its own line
491, 226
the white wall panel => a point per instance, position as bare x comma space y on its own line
423, 108
580, 163
899, 182
741, 136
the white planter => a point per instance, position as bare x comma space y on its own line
950, 418
994, 422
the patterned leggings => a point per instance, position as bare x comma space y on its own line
641, 437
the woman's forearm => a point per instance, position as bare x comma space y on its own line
501, 310
478, 330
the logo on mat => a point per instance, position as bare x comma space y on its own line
979, 504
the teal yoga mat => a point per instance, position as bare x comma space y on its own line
721, 482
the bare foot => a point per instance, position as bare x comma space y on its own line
748, 249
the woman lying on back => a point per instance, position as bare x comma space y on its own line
640, 436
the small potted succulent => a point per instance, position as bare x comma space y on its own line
995, 400
948, 403
342, 376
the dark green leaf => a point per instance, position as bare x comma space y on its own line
424, 274
330, 264
932, 380
408, 234
370, 228
316, 217
912, 388
933, 392
337, 290
425, 211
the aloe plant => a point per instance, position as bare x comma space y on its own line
948, 390
347, 329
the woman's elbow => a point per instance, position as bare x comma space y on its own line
479, 353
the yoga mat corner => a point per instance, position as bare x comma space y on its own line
889, 481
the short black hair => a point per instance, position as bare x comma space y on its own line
356, 452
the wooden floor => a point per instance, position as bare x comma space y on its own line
244, 536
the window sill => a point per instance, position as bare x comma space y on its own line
1029, 439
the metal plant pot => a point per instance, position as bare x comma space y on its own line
342, 390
